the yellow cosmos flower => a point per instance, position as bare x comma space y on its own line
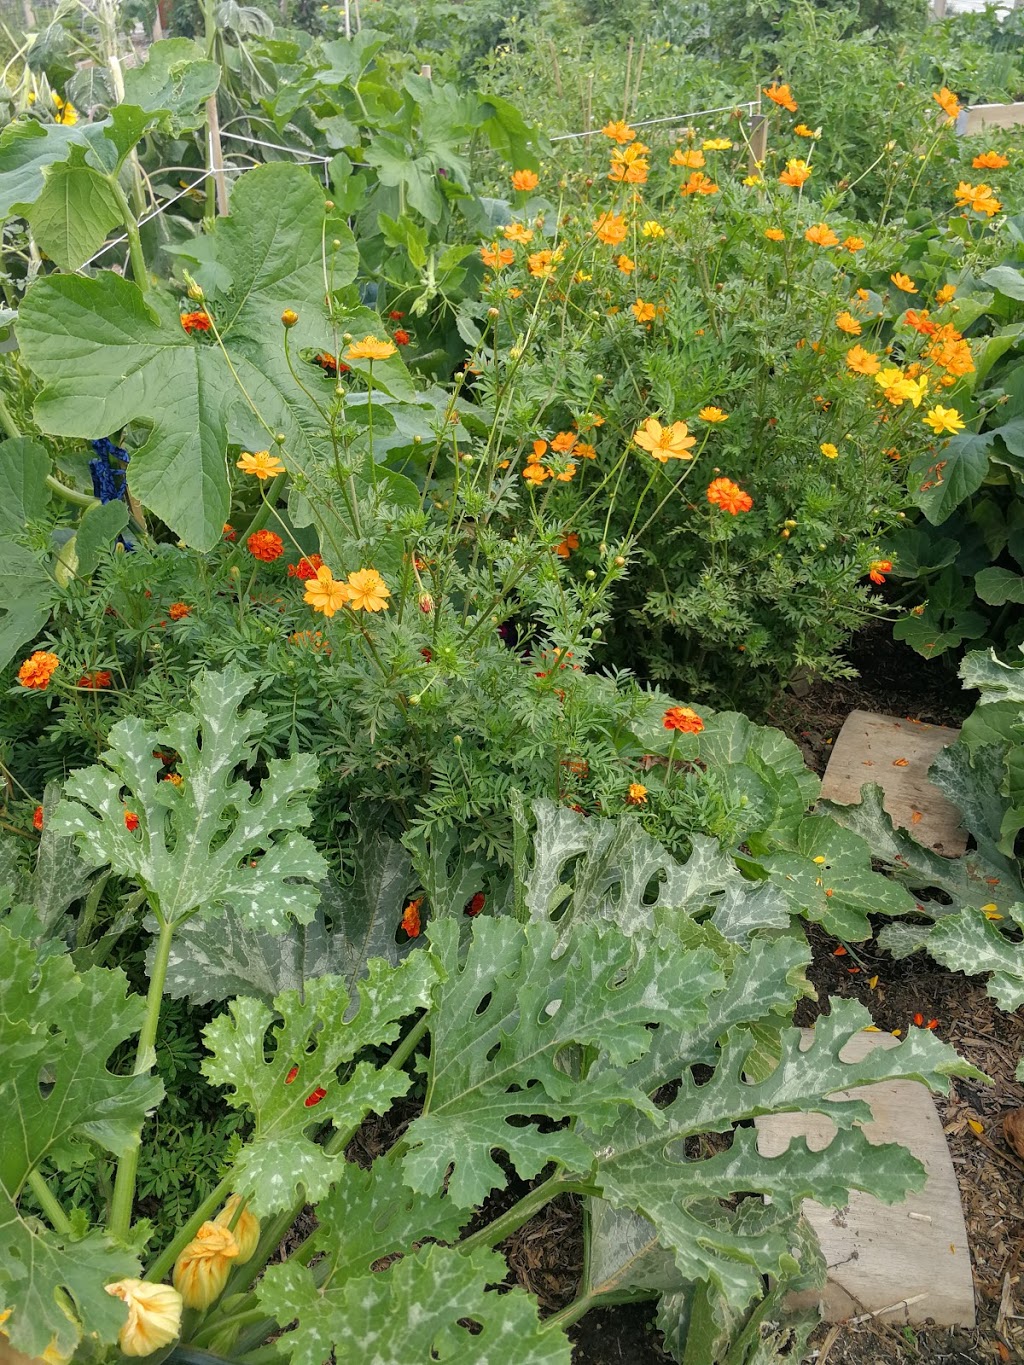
829, 451
903, 282
367, 591
370, 349
324, 593
945, 294
752, 181
947, 102
665, 443
942, 419
775, 234
154, 1315
201, 1270
717, 144
263, 465
652, 229
691, 158
711, 414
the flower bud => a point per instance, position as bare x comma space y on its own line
328, 204
289, 317
457, 741
201, 1271
590, 575
426, 603
336, 244
154, 1315
596, 633
246, 1229
619, 561
195, 290
493, 312
415, 699
280, 437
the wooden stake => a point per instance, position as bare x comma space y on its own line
215, 157
625, 86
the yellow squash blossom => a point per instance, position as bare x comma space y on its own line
66, 111
370, 349
246, 1230
665, 443
154, 1315
201, 1270
263, 465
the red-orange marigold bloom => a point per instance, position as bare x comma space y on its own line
131, 821
177, 610
92, 681
38, 669
229, 532
684, 719
729, 496
306, 567
195, 322
402, 337
37, 817
265, 545
411, 918
475, 904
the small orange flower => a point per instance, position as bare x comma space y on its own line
684, 719
536, 473
370, 348
541, 264
177, 610
37, 817
38, 669
265, 545
516, 232
626, 264
712, 414
584, 451
797, 173
563, 442
196, 322
990, 161
95, 681
878, 568
566, 546
637, 794
820, 234
729, 497
699, 183
691, 158
131, 821
846, 322
262, 464
495, 257
853, 244
611, 229
775, 234
903, 282
306, 568
411, 918
524, 180
947, 102
861, 361
945, 294
367, 591
229, 532
619, 132
782, 96
644, 312
665, 443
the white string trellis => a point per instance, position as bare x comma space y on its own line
751, 105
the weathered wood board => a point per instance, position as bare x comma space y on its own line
981, 116
896, 754
904, 1262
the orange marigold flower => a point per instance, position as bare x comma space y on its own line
94, 681
684, 719
370, 349
265, 545
729, 496
525, 180
846, 322
797, 173
699, 183
990, 161
131, 821
861, 361
903, 282
411, 918
175, 779
196, 322
37, 817
229, 532
402, 337
820, 234
775, 234
324, 593
947, 102
878, 568
306, 568
367, 591
495, 257
619, 132
691, 158
262, 464
644, 312
853, 244
637, 794
665, 443
177, 610
565, 547
611, 229
38, 669
782, 96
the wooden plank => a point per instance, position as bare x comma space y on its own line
758, 138
981, 116
906, 1262
896, 754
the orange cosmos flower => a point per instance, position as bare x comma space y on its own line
978, 198
945, 294
846, 322
920, 322
565, 547
541, 264
947, 102
516, 232
820, 234
644, 312
665, 443
797, 173
782, 96
637, 794
626, 264
903, 282
729, 496
775, 234
684, 719
861, 361
691, 158
370, 349
699, 183
630, 167
853, 244
265, 545
611, 229
567, 474
584, 451
367, 591
619, 132
878, 569
802, 130
324, 593
563, 442
990, 161
524, 180
38, 669
536, 473
712, 414
495, 257
263, 465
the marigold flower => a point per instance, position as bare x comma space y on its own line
175, 779
797, 173
517, 232
644, 312
229, 532
990, 161
37, 817
861, 361
131, 821
712, 414
324, 593
246, 1230
619, 131
367, 591
699, 183
652, 229
684, 719
154, 1315
846, 322
782, 96
691, 158
878, 568
565, 547
717, 144
263, 465
38, 669
201, 1270
945, 294
525, 180
198, 321
177, 610
820, 234
903, 282
306, 568
947, 102
411, 917
942, 419
829, 451
96, 680
611, 229
853, 244
265, 545
775, 234
370, 349
729, 496
637, 794
402, 337
626, 264
495, 257
665, 443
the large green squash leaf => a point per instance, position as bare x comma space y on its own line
74, 212
26, 596
174, 81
